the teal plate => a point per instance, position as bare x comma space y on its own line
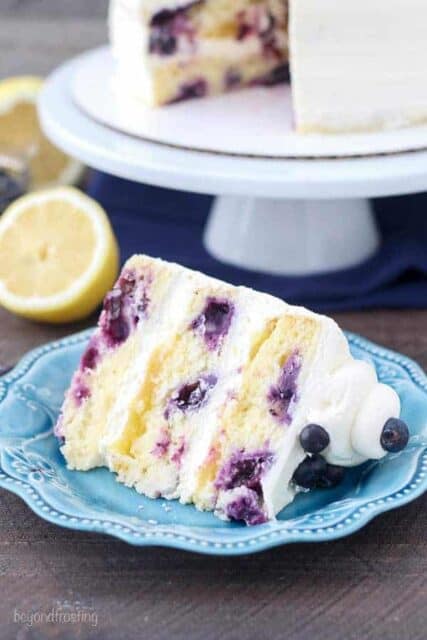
33, 468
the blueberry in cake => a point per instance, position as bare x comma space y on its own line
355, 66
220, 396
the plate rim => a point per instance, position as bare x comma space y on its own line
262, 539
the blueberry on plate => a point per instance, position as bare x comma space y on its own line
395, 435
314, 438
310, 472
332, 477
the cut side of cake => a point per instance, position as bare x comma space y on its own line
171, 51
355, 66
220, 396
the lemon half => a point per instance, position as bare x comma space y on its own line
58, 255
20, 134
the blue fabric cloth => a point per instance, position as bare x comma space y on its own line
169, 224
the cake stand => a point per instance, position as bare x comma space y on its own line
285, 204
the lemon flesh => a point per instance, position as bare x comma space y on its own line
20, 134
58, 256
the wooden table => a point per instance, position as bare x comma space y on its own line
370, 586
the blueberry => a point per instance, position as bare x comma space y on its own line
279, 75
91, 356
244, 30
192, 395
283, 395
124, 307
310, 472
332, 477
115, 326
81, 392
113, 304
189, 90
245, 469
314, 438
164, 17
215, 321
162, 41
162, 37
395, 435
217, 317
232, 79
246, 508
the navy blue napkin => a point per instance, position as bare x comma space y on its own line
169, 224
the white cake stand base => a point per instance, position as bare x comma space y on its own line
294, 237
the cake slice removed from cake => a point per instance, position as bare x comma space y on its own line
220, 396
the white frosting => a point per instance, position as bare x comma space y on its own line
335, 404
358, 65
380, 404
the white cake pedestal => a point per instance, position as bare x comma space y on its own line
292, 237
278, 215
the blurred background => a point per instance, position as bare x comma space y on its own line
36, 35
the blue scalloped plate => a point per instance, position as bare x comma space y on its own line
33, 468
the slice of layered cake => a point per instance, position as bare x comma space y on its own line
170, 51
220, 396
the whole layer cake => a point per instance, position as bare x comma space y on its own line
355, 65
220, 396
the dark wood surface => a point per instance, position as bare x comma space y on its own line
370, 586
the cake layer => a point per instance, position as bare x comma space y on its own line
194, 389
358, 66
166, 54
